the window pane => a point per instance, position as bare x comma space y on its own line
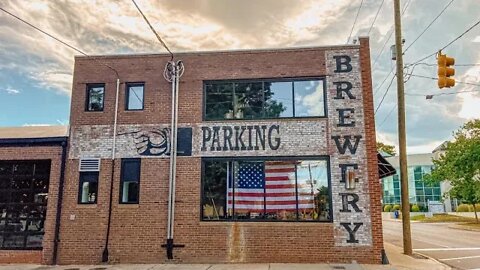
309, 98
130, 181
13, 241
5, 181
214, 203
278, 99
248, 103
88, 188
219, 101
34, 241
130, 192
135, 97
266, 190
280, 190
313, 190
19, 215
131, 170
95, 98
249, 190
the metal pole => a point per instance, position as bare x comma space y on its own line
105, 254
402, 137
172, 155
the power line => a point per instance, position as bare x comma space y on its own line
434, 65
57, 39
450, 43
432, 78
153, 30
375, 19
428, 26
378, 87
354, 22
384, 95
388, 115
442, 94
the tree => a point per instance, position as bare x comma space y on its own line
460, 164
389, 149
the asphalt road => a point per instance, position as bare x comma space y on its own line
459, 249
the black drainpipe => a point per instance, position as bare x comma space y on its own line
105, 249
60, 201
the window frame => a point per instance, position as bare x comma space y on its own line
89, 87
120, 191
267, 158
80, 185
30, 190
127, 95
270, 80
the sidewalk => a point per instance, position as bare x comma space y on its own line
398, 261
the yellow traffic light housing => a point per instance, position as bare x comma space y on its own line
445, 71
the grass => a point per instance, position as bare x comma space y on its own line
446, 218
471, 225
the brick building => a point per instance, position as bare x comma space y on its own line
276, 160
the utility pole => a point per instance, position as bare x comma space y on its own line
402, 137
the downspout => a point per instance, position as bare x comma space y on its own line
176, 71
105, 250
59, 201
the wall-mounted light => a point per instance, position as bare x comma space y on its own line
350, 182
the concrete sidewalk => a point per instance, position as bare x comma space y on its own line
398, 261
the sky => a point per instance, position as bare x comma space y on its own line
36, 71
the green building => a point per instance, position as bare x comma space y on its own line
419, 191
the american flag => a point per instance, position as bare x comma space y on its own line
269, 186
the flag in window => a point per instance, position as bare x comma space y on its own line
266, 186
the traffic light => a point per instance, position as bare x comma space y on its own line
445, 71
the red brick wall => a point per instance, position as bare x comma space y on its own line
372, 164
54, 153
137, 231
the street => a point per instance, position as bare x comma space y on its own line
457, 248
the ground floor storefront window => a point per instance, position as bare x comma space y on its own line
253, 189
23, 203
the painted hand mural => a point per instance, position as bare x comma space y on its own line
152, 141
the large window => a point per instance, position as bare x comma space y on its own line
95, 97
264, 99
130, 180
23, 203
88, 190
134, 96
266, 190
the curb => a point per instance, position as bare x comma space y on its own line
463, 228
435, 260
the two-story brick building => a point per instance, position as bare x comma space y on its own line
276, 159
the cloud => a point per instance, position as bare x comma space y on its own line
10, 91
37, 125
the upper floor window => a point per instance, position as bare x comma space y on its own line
264, 99
95, 97
134, 96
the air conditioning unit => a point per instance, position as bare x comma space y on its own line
89, 165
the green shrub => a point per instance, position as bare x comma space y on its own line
415, 208
463, 208
396, 207
387, 208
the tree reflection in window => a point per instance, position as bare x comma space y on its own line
264, 99
23, 203
95, 97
